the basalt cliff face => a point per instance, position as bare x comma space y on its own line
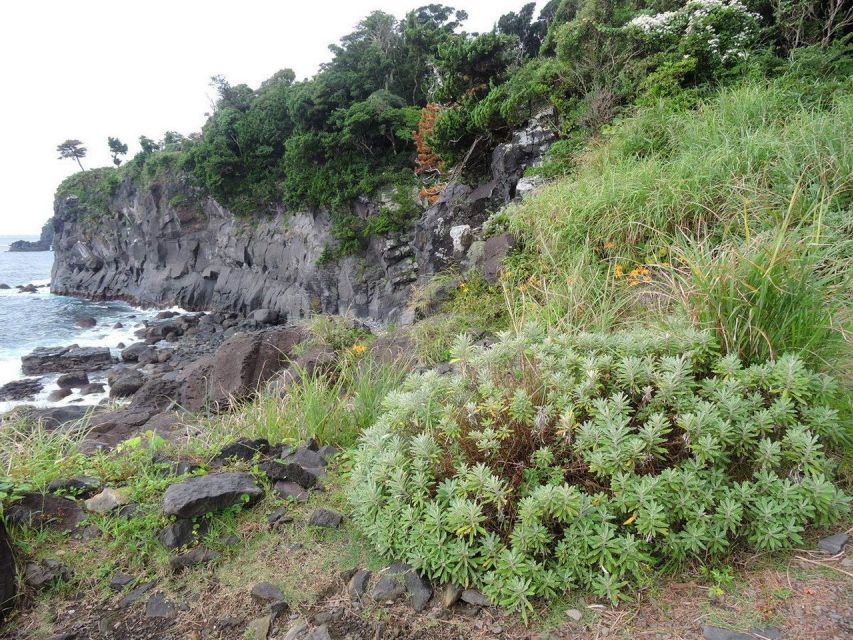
155, 249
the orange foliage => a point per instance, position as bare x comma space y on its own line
431, 193
428, 161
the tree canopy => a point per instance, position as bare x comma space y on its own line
72, 149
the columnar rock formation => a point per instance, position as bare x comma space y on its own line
155, 249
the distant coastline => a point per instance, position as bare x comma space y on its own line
42, 244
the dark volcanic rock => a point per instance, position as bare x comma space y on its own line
120, 580
266, 592
126, 385
244, 449
357, 584
87, 323
65, 359
92, 388
73, 380
389, 587
8, 582
193, 557
240, 365
58, 394
419, 589
833, 544
326, 518
40, 575
24, 389
136, 593
57, 416
203, 494
159, 607
290, 490
176, 534
134, 351
38, 510
80, 486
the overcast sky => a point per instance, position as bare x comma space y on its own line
96, 68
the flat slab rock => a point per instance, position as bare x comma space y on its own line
203, 494
65, 359
37, 510
833, 544
718, 633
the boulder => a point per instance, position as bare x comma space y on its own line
120, 580
176, 534
833, 544
55, 417
87, 323
65, 359
290, 490
126, 385
203, 494
472, 596
43, 510
243, 449
42, 574
134, 351
24, 389
388, 588
266, 593
419, 588
264, 316
136, 593
73, 380
357, 584
241, 364
92, 388
58, 394
495, 250
106, 501
450, 595
326, 518
8, 582
80, 486
159, 607
193, 557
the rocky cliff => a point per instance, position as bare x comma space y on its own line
42, 244
164, 245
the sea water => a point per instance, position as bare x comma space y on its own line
30, 320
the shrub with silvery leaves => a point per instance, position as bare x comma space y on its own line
551, 462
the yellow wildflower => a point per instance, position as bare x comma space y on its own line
359, 348
618, 271
608, 245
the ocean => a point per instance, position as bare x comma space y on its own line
30, 320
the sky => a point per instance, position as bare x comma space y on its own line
96, 68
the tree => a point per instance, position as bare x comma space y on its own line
148, 145
72, 149
117, 148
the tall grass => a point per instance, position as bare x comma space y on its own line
332, 407
770, 295
697, 172
752, 190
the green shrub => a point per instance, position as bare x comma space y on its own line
94, 188
549, 463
